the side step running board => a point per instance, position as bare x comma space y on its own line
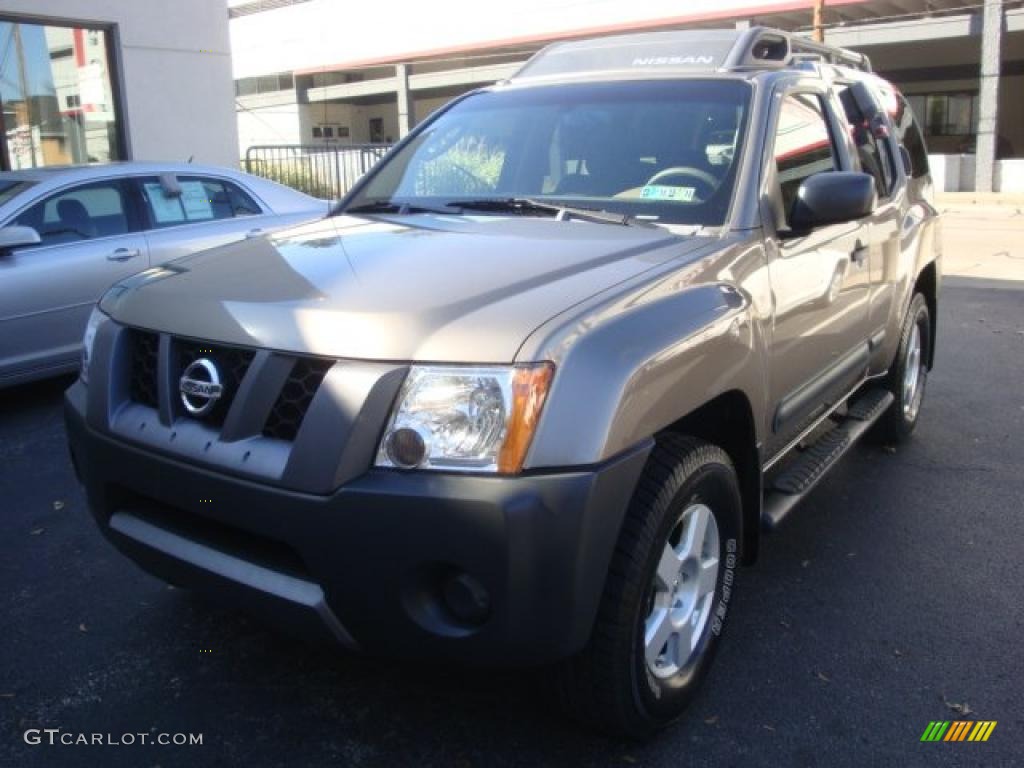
799, 479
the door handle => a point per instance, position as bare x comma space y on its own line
859, 254
123, 254
254, 232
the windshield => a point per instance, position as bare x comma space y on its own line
662, 151
11, 189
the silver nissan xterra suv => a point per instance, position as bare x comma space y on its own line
535, 389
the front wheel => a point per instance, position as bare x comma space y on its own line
667, 593
908, 376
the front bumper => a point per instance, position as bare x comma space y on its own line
366, 564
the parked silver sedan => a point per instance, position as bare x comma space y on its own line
68, 233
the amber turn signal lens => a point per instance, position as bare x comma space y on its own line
529, 390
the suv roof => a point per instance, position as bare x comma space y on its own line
684, 52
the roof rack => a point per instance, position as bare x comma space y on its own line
684, 52
761, 46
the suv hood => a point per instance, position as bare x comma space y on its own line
427, 288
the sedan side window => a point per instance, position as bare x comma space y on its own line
197, 199
81, 213
241, 203
803, 145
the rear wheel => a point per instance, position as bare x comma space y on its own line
666, 596
908, 376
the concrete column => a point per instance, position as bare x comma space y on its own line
406, 119
988, 96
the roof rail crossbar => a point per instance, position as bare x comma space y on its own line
760, 47
830, 53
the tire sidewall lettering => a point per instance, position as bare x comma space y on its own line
725, 593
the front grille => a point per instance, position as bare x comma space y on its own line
231, 362
144, 346
296, 395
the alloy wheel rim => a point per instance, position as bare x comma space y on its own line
913, 375
683, 592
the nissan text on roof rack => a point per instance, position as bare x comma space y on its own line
537, 388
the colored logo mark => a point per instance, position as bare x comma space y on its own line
958, 730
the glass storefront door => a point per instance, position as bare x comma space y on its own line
56, 97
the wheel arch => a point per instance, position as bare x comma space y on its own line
727, 421
927, 284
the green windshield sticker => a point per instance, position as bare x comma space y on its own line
662, 192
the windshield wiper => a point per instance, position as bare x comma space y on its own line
386, 206
525, 206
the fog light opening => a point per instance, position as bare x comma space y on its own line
466, 598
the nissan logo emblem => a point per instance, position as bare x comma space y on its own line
200, 387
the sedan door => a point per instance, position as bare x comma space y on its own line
89, 240
192, 213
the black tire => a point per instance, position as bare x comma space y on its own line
609, 685
899, 421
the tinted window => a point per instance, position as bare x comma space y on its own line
664, 150
201, 199
908, 133
81, 213
803, 145
241, 203
872, 153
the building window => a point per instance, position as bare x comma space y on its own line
259, 6
330, 131
57, 108
950, 114
249, 86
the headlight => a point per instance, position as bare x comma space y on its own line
87, 341
468, 419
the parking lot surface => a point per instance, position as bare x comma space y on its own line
889, 600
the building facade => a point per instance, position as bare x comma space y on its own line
92, 81
317, 72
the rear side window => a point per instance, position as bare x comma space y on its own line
202, 199
908, 133
85, 212
872, 154
803, 145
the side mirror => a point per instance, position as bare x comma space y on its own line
832, 197
16, 237
169, 184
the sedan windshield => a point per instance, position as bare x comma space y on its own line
661, 151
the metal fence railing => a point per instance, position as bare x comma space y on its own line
318, 170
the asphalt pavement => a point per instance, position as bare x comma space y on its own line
892, 598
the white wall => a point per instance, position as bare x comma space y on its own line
278, 119
178, 94
955, 173
1010, 175
268, 119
